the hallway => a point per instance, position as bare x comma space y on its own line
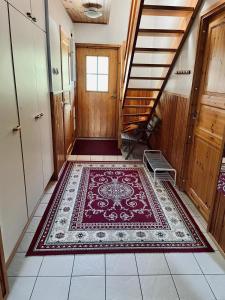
112, 150
139, 276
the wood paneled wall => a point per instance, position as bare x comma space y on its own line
171, 136
217, 227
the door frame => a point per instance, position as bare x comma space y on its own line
3, 273
206, 16
119, 62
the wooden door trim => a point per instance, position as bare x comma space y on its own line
97, 46
3, 273
206, 16
103, 46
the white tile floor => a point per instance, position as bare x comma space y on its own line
170, 276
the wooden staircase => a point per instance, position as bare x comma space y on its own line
147, 66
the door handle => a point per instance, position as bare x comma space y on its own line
114, 96
17, 128
37, 117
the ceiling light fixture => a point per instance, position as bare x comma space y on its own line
92, 10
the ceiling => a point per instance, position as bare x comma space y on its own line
75, 11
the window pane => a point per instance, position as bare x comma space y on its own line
103, 65
91, 84
91, 64
103, 83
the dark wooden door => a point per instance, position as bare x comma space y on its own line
210, 120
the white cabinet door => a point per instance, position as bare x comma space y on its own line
23, 54
38, 12
22, 5
13, 210
43, 103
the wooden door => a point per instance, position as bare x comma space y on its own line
97, 109
66, 83
25, 76
210, 120
13, 210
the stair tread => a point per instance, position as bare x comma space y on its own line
136, 114
135, 122
151, 65
166, 10
130, 128
147, 78
168, 7
142, 49
143, 89
139, 98
137, 106
160, 32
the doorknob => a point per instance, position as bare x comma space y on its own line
41, 115
17, 128
114, 96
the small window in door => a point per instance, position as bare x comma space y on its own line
97, 73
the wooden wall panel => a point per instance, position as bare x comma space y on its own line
218, 220
171, 137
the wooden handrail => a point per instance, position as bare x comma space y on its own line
134, 21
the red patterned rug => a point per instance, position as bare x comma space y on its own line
114, 207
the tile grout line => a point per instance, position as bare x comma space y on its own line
105, 274
139, 279
36, 278
205, 277
144, 275
171, 276
71, 276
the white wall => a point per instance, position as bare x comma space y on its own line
113, 33
181, 84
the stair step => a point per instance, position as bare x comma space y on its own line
130, 128
136, 114
151, 65
137, 106
147, 78
158, 50
160, 32
144, 89
139, 98
141, 120
167, 10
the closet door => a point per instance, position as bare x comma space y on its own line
38, 12
43, 103
13, 211
22, 31
22, 5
